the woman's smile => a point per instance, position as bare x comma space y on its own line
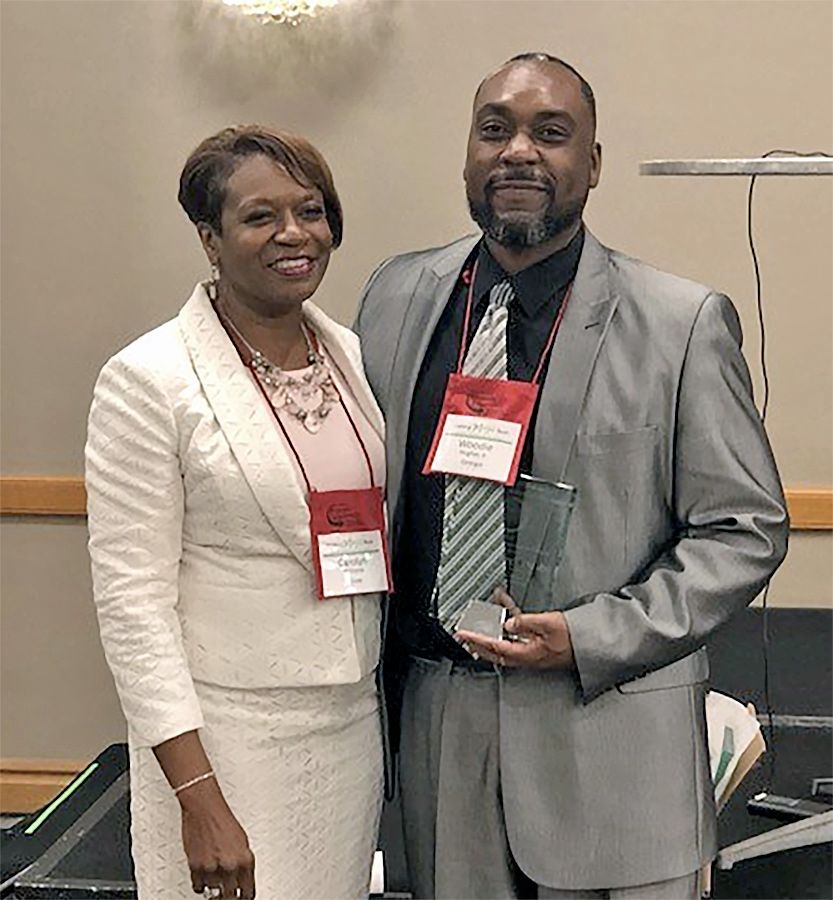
295, 267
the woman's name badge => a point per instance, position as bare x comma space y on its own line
482, 428
349, 542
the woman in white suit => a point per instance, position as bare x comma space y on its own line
253, 719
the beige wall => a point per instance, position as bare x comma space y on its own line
101, 102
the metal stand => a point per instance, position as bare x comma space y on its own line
770, 165
815, 830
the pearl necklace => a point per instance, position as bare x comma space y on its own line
308, 397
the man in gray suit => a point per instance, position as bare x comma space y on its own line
572, 762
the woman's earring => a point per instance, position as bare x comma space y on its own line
213, 283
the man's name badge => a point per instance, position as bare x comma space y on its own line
349, 542
482, 428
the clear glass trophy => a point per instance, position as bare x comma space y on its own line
538, 516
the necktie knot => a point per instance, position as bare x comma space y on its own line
486, 356
500, 295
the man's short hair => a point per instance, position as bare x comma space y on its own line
539, 56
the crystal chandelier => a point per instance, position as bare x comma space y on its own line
284, 12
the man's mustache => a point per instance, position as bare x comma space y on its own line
520, 175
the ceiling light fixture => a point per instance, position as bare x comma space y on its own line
281, 12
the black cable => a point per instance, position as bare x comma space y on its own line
758, 301
754, 253
764, 406
770, 724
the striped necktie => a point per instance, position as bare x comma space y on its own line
472, 552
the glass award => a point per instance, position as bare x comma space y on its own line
536, 520
538, 516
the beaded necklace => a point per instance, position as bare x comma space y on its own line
307, 394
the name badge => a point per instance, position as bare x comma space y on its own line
482, 428
349, 542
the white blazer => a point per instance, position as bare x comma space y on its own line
199, 529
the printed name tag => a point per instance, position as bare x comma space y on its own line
482, 428
352, 563
477, 447
349, 542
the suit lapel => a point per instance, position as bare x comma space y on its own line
583, 329
580, 338
247, 424
426, 305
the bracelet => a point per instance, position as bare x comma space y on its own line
192, 781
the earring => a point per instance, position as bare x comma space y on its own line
213, 283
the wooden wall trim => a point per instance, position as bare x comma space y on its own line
37, 496
29, 784
811, 509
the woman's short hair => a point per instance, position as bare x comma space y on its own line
202, 184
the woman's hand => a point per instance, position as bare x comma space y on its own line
215, 843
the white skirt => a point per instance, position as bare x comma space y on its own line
301, 769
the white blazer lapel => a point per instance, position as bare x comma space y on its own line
247, 424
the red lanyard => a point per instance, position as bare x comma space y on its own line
550, 340
248, 361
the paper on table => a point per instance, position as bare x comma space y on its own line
735, 743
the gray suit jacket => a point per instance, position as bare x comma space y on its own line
680, 520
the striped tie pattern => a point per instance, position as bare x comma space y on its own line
472, 552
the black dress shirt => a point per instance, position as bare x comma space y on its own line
539, 292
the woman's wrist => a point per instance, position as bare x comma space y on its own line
187, 768
201, 795
192, 781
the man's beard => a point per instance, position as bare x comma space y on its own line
521, 230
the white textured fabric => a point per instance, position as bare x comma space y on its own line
301, 768
199, 533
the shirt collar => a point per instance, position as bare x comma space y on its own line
535, 285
